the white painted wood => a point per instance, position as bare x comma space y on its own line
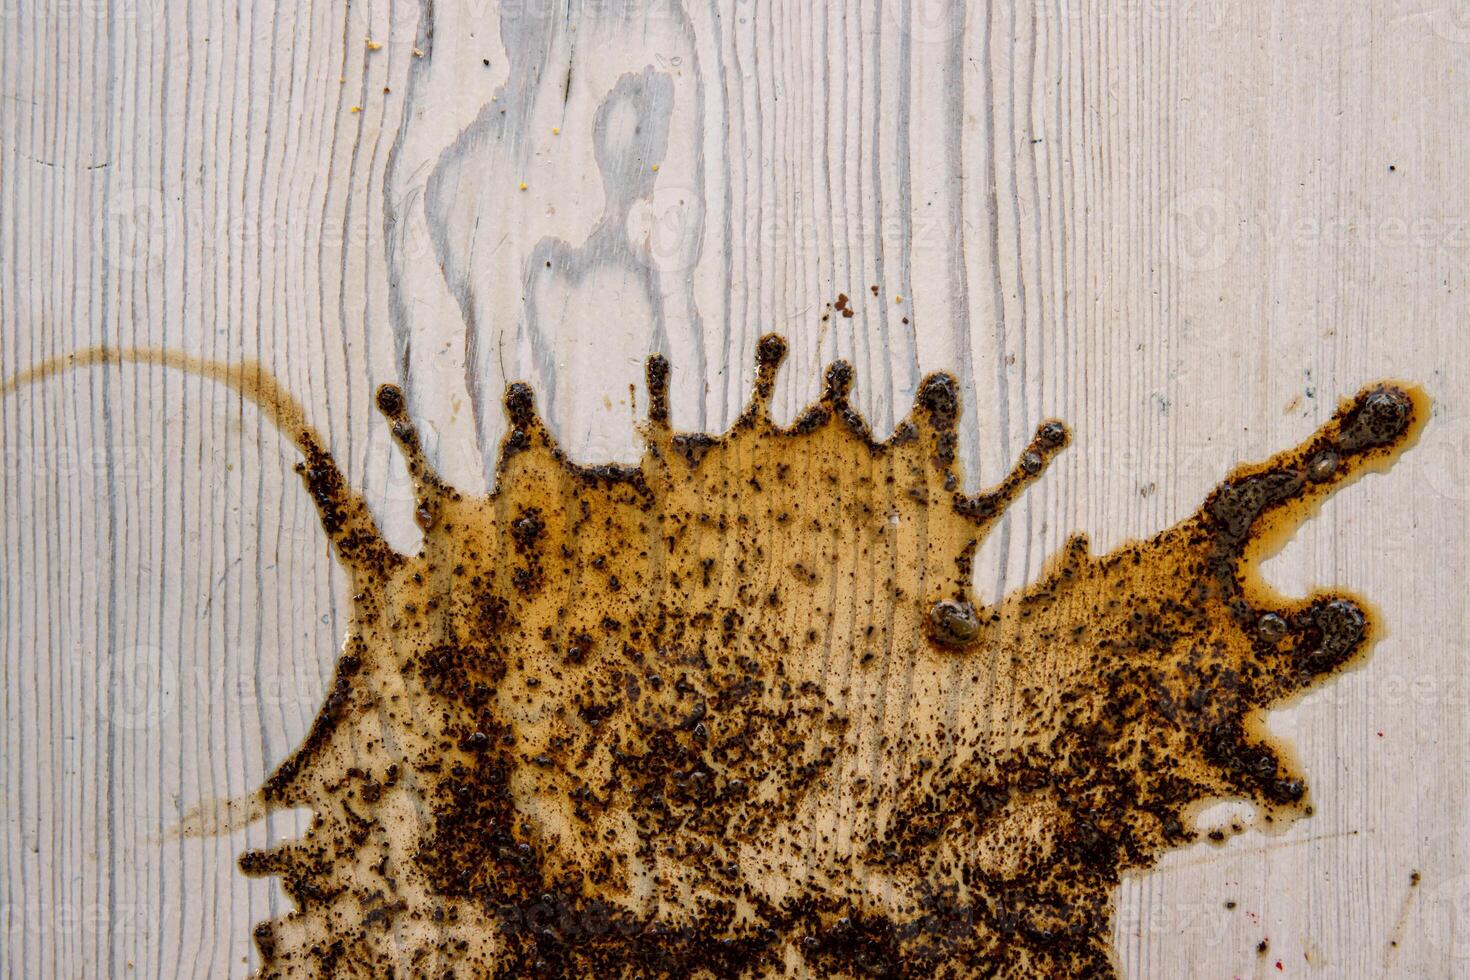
1186, 228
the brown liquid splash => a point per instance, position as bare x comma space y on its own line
734, 711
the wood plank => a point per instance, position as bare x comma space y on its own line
1187, 229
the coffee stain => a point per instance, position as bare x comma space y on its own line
733, 711
1396, 932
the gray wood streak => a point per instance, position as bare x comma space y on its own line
1186, 228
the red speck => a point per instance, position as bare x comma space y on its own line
1278, 965
1380, 734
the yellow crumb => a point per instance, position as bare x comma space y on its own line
898, 299
555, 130
523, 185
655, 168
417, 53
374, 45
356, 108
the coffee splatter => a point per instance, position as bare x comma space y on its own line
735, 711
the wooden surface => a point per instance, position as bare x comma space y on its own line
1186, 228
